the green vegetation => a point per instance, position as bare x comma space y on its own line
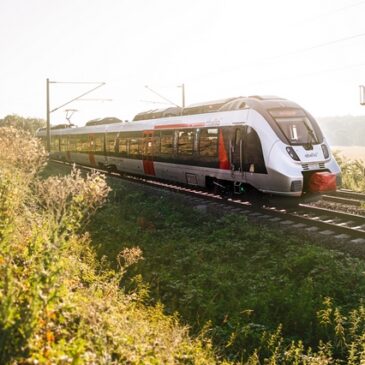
259, 294
248, 293
58, 304
353, 173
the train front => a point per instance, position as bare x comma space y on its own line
308, 166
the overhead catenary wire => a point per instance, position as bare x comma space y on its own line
275, 57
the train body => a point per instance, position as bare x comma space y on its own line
268, 144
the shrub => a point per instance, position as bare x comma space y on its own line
58, 304
353, 173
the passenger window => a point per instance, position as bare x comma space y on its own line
63, 144
55, 144
167, 142
133, 146
122, 146
185, 142
83, 143
112, 144
156, 144
71, 143
98, 143
208, 142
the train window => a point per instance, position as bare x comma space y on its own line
156, 142
185, 142
167, 142
55, 144
63, 144
83, 143
112, 142
122, 146
72, 143
208, 142
97, 143
297, 130
133, 146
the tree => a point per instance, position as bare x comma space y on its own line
18, 122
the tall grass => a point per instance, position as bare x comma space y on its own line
353, 173
58, 304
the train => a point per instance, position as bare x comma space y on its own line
263, 145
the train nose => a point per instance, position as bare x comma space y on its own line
321, 182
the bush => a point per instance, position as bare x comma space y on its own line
58, 304
353, 173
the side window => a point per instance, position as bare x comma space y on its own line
253, 159
208, 142
99, 143
112, 142
167, 142
83, 143
78, 142
63, 144
133, 146
71, 143
55, 143
185, 142
123, 146
156, 142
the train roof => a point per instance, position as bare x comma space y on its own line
158, 113
233, 103
100, 121
172, 115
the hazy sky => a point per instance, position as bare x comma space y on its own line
312, 52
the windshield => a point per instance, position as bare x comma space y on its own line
296, 126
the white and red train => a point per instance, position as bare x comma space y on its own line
262, 143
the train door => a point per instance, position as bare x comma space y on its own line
253, 158
147, 153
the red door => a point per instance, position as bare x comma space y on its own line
147, 153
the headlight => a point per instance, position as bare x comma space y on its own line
292, 153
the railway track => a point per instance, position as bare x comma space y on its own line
311, 221
347, 197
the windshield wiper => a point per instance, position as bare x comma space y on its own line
312, 136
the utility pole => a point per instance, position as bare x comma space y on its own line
362, 95
182, 94
48, 120
98, 84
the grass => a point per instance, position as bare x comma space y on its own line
225, 276
58, 303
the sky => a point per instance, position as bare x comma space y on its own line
311, 52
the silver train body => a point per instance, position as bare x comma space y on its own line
268, 144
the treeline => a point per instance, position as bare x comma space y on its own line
344, 131
27, 124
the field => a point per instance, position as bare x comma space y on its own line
245, 286
351, 152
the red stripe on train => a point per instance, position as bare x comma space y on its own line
222, 153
